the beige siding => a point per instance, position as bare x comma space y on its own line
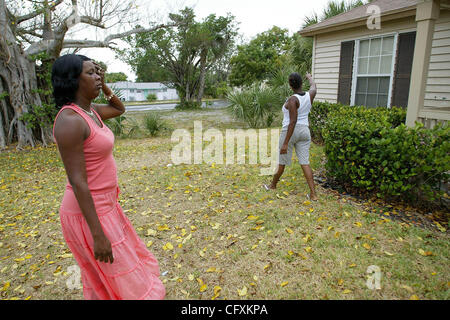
327, 49
437, 92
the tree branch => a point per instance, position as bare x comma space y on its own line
108, 40
34, 14
92, 21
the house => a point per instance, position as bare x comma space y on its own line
139, 91
386, 53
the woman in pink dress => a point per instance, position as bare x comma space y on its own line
114, 262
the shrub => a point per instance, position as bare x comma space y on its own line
151, 97
154, 124
367, 150
117, 125
123, 126
188, 105
319, 116
257, 106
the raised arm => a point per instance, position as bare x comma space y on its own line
312, 87
115, 107
70, 133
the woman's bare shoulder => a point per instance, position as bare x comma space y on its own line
70, 124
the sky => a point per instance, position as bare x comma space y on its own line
253, 16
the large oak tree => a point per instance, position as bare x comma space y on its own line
32, 35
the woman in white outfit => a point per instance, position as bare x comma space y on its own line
295, 131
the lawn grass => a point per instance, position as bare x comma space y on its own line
225, 230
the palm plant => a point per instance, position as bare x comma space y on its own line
117, 125
333, 8
257, 105
154, 123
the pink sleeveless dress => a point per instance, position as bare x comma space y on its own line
134, 274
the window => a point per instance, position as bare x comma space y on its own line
374, 71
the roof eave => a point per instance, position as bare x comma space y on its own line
388, 16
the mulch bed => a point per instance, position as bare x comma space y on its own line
431, 219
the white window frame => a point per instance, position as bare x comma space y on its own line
355, 66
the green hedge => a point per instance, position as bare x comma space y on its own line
371, 150
319, 116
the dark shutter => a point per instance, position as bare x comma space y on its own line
346, 72
403, 67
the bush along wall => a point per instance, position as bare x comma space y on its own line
320, 111
371, 150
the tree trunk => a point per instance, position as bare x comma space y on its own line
201, 89
2, 134
18, 78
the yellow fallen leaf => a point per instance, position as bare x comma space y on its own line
6, 286
163, 227
308, 249
440, 227
340, 282
425, 253
358, 224
290, 252
212, 269
191, 277
217, 290
168, 246
288, 230
388, 253
203, 288
347, 291
307, 203
306, 238
151, 232
352, 265
414, 297
284, 283
242, 292
366, 246
149, 244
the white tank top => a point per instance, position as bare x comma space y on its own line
303, 110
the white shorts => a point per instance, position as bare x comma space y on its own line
301, 140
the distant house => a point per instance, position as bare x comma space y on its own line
139, 91
405, 62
